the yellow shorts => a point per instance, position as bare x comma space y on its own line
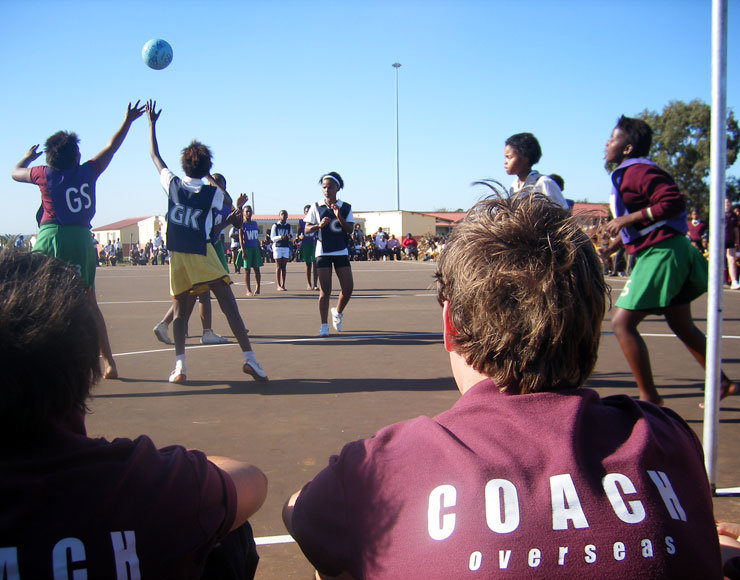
194, 273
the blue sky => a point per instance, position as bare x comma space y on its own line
283, 91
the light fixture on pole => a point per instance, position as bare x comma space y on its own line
397, 65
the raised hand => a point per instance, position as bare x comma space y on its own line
21, 172
32, 154
151, 112
133, 113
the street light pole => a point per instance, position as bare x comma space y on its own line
397, 65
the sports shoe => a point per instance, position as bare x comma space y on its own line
252, 367
177, 376
210, 337
324, 330
160, 331
336, 319
735, 286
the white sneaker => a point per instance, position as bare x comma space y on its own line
324, 330
336, 319
210, 337
252, 367
178, 376
160, 331
735, 286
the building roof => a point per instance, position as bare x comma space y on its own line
122, 224
594, 209
275, 217
447, 217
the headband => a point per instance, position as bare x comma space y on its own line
333, 178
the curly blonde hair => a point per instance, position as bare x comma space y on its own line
526, 293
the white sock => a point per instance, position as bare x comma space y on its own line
180, 363
249, 356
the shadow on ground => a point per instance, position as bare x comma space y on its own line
290, 387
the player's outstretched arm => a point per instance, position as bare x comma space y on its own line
153, 115
250, 483
106, 155
21, 172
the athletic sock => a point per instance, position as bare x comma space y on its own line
180, 363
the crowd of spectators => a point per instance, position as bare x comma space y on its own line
380, 246
152, 252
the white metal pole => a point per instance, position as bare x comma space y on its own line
397, 65
718, 156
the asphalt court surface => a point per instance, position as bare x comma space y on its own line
387, 365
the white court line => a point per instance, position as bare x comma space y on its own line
272, 540
349, 337
722, 491
137, 302
729, 336
288, 340
306, 296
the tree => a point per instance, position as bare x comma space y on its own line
681, 141
733, 188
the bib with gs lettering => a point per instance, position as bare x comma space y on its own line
67, 197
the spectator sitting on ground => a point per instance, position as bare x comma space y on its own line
529, 473
410, 246
370, 247
87, 507
110, 251
381, 246
360, 252
434, 248
134, 254
394, 248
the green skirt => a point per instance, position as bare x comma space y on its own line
72, 244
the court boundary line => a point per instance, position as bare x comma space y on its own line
274, 540
437, 335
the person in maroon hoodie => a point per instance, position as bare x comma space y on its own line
84, 507
529, 473
669, 273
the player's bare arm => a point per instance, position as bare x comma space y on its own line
21, 172
133, 112
250, 483
153, 115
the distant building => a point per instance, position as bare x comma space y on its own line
446, 220
138, 230
591, 215
402, 222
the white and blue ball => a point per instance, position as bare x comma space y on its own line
157, 53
